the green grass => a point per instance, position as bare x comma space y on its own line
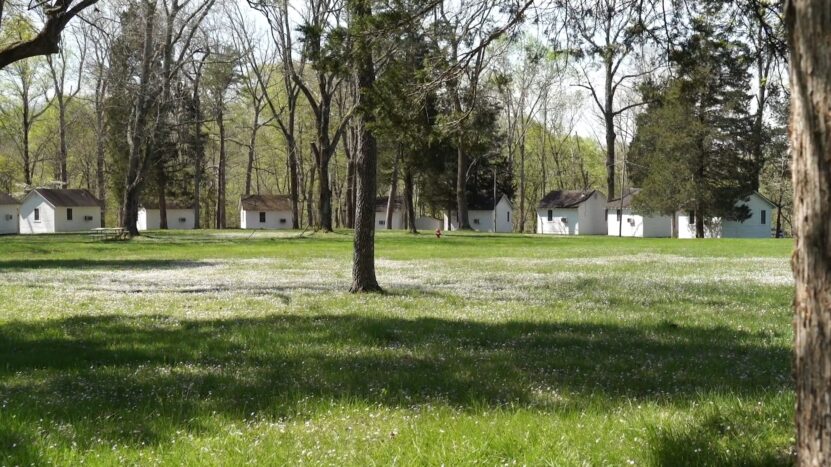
230, 348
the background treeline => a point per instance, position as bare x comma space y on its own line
203, 101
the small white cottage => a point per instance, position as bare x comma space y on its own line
563, 212
49, 210
265, 212
9, 212
758, 225
398, 218
179, 216
482, 213
623, 221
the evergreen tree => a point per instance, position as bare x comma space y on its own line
690, 149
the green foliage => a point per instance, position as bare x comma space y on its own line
692, 142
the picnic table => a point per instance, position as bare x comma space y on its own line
108, 233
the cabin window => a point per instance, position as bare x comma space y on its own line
282, 221
509, 216
69, 214
262, 218
606, 214
550, 215
619, 215
475, 221
692, 217
37, 214
764, 217
382, 222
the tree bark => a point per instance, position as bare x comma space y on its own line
408, 200
49, 38
609, 119
809, 34
252, 146
199, 149
393, 193
366, 160
100, 130
220, 173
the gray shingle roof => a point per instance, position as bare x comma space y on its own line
565, 198
6, 199
266, 203
68, 198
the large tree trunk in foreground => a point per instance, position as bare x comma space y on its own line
809, 35
366, 162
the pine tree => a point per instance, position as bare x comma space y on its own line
690, 149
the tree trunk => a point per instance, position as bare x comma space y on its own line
27, 165
408, 200
609, 119
699, 223
366, 161
521, 188
294, 182
809, 33
324, 200
220, 173
461, 188
133, 180
162, 179
199, 153
350, 192
62, 150
100, 89
252, 149
393, 193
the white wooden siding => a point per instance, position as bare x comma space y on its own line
273, 220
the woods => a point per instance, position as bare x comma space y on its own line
533, 96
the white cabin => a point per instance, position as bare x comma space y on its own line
563, 212
398, 218
265, 212
481, 214
9, 212
48, 210
758, 225
622, 220
179, 217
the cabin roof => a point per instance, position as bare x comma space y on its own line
565, 198
266, 203
7, 199
69, 198
168, 205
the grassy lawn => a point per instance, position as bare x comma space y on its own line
235, 348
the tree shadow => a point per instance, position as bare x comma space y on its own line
149, 375
108, 265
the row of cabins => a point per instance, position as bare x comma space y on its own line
560, 212
589, 213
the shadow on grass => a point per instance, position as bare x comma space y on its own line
125, 264
138, 379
